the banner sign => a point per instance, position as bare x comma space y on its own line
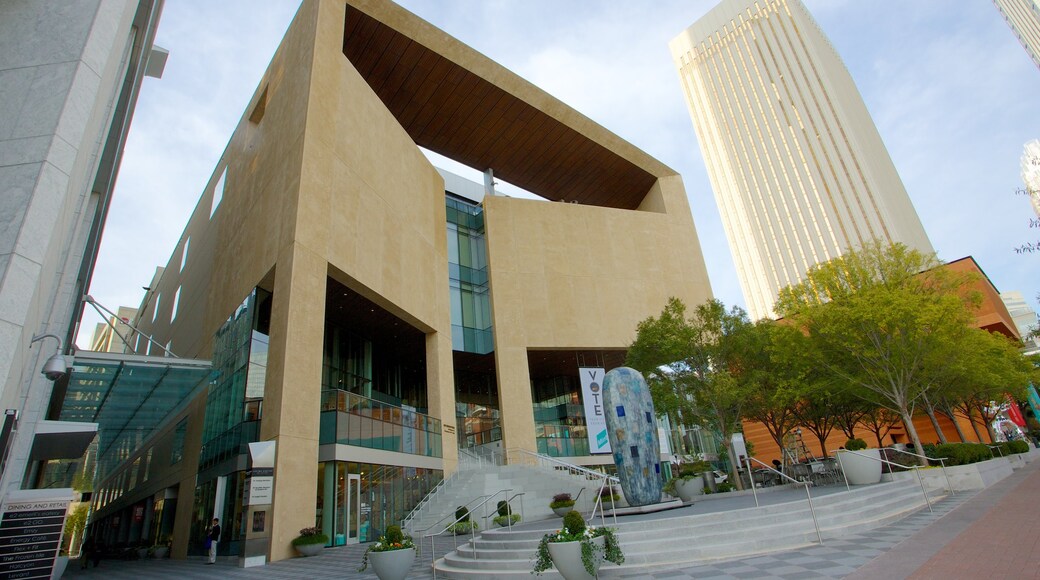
1034, 401
30, 535
1014, 413
595, 420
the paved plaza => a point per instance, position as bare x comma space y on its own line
969, 535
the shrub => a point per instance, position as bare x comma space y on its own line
724, 487
503, 508
394, 535
561, 500
690, 470
856, 444
1018, 446
463, 527
462, 514
573, 523
963, 453
310, 536
509, 520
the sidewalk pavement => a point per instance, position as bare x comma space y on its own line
969, 535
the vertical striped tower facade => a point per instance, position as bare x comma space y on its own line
799, 170
1023, 16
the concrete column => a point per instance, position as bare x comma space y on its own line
514, 397
292, 392
440, 384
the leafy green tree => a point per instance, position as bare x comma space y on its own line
876, 316
774, 369
693, 366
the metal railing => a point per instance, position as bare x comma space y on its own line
602, 509
433, 555
521, 456
808, 495
509, 521
437, 490
915, 468
999, 449
942, 464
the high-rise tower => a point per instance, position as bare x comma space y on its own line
1023, 16
798, 167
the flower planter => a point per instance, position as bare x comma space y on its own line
688, 488
310, 549
566, 556
160, 552
860, 470
562, 511
393, 564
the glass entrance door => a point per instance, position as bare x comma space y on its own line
353, 505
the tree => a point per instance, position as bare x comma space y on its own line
693, 366
876, 315
776, 369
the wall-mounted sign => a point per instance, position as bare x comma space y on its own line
261, 486
595, 420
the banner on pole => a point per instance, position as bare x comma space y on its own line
595, 420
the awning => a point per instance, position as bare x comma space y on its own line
129, 397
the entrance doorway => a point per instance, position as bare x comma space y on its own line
352, 515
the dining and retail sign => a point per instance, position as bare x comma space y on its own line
595, 419
30, 532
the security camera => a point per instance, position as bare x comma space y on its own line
55, 368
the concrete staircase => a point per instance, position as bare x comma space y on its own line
686, 539
538, 485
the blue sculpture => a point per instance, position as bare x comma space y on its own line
632, 428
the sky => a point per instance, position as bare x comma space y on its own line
953, 93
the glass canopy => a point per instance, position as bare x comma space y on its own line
129, 397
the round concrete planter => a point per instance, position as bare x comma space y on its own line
562, 511
159, 552
392, 565
566, 556
860, 470
688, 488
310, 549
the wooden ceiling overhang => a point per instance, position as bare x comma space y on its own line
456, 102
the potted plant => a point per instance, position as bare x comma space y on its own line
689, 482
862, 467
505, 516
391, 556
310, 541
462, 524
577, 550
561, 504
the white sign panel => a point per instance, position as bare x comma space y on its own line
261, 486
595, 420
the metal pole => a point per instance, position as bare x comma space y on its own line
842, 466
751, 477
812, 511
948, 484
920, 480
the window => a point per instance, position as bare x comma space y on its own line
169, 347
184, 254
177, 453
155, 313
218, 192
176, 303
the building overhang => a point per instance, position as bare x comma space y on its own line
61, 440
128, 397
455, 101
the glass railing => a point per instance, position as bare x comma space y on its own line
351, 419
561, 447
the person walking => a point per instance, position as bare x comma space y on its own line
214, 537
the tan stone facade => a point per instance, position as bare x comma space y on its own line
323, 186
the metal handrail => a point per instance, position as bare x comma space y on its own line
807, 484
563, 464
997, 447
916, 468
509, 521
599, 502
942, 464
449, 514
433, 547
437, 489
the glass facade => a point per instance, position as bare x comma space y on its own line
350, 419
559, 416
468, 277
234, 405
387, 493
477, 416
